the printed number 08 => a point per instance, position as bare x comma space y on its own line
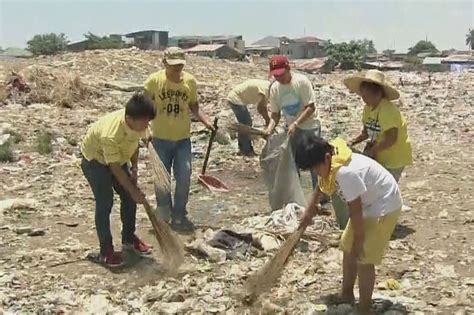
172, 108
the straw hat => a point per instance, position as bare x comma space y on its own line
373, 76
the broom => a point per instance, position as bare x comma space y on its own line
247, 130
265, 277
170, 244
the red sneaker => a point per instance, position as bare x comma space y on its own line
138, 246
112, 259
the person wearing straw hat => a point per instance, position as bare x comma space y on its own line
384, 126
253, 91
175, 95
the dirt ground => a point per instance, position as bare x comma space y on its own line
431, 255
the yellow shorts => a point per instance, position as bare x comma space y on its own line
377, 233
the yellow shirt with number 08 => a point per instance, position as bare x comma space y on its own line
172, 101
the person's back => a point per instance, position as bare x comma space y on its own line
365, 177
249, 92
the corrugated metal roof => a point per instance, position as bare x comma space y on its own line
308, 39
205, 48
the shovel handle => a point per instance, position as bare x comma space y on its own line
209, 146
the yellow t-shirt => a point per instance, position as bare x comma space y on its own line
110, 140
249, 92
384, 117
172, 101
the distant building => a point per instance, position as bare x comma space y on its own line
150, 39
263, 51
186, 42
302, 48
269, 41
14, 52
215, 51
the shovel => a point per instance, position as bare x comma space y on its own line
212, 183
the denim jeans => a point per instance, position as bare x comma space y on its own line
176, 154
243, 116
103, 184
296, 139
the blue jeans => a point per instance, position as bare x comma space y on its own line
243, 116
103, 184
296, 139
176, 154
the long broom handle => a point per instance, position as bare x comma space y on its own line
209, 146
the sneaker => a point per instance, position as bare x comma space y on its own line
182, 225
112, 259
138, 246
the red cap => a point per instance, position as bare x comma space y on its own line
278, 65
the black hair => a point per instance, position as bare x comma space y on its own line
373, 87
140, 106
311, 150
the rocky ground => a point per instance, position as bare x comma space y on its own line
47, 218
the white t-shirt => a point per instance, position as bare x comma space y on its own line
367, 179
291, 99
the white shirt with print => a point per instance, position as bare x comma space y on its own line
367, 179
290, 99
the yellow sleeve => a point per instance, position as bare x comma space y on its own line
111, 150
150, 85
390, 118
365, 115
193, 98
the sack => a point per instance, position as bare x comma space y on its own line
280, 173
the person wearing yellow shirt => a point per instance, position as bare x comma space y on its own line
253, 91
175, 96
384, 126
108, 147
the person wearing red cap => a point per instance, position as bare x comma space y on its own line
292, 94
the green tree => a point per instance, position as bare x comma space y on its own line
348, 55
367, 46
423, 46
105, 42
470, 39
47, 44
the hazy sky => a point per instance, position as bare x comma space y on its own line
391, 24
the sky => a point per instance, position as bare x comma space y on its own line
390, 24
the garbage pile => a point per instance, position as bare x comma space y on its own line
47, 218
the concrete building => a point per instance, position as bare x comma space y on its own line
302, 48
149, 39
186, 42
263, 51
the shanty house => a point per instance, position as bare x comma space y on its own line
263, 51
302, 48
215, 51
150, 39
186, 42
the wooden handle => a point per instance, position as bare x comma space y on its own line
209, 146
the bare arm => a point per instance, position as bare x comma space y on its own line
361, 137
200, 115
389, 138
134, 159
125, 181
274, 120
262, 109
311, 208
305, 114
